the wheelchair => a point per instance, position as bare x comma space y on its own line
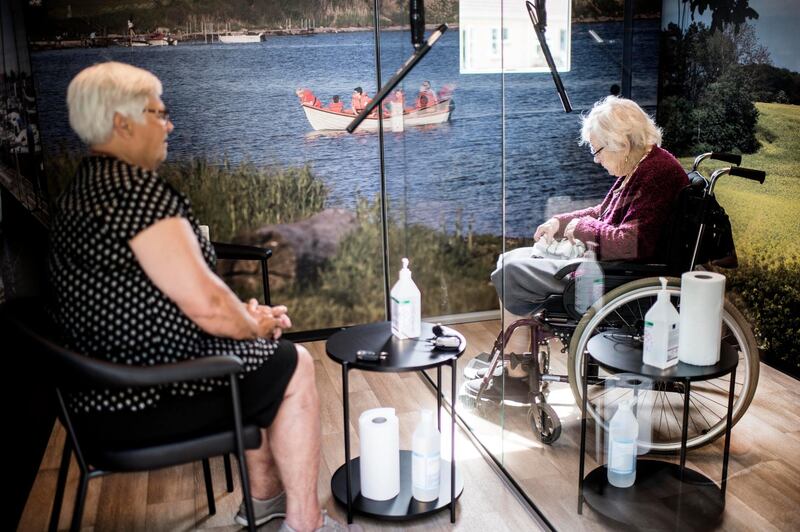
688, 242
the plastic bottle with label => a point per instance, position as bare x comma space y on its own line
589, 281
622, 433
406, 306
661, 331
425, 459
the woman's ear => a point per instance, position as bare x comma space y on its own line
122, 124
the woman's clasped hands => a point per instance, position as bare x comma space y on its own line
271, 320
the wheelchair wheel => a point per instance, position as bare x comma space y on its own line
623, 309
544, 422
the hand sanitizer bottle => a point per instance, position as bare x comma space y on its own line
622, 433
406, 306
661, 331
425, 459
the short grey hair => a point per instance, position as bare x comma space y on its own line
619, 124
99, 91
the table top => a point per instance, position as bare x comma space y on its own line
403, 355
617, 353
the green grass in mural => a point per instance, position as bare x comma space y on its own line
231, 198
764, 216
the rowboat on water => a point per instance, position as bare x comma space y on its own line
322, 119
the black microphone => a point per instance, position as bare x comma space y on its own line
417, 16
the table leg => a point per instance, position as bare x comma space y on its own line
685, 428
452, 438
726, 452
346, 407
583, 430
439, 397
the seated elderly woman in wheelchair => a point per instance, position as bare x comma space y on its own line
625, 226
133, 284
539, 287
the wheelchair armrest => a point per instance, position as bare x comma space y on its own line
618, 268
240, 251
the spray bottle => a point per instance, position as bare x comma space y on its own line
622, 433
425, 459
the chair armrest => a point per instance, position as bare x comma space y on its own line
92, 372
240, 252
618, 268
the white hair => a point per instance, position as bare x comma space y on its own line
619, 124
99, 91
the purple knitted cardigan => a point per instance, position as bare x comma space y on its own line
628, 226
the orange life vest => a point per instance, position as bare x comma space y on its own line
337, 107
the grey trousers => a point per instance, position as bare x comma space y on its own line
524, 282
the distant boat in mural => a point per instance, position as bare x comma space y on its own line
322, 119
238, 38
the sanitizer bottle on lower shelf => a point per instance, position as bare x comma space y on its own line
425, 459
406, 306
622, 434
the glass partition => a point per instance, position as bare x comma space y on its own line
475, 152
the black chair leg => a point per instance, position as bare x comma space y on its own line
212, 505
228, 473
80, 501
63, 472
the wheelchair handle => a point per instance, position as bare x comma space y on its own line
747, 173
755, 175
719, 156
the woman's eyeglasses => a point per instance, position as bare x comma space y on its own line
593, 152
162, 114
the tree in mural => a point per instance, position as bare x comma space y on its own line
724, 12
707, 100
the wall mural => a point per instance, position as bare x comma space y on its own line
263, 168
730, 81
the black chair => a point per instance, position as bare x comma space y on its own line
226, 251
33, 335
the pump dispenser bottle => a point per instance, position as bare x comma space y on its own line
406, 306
661, 331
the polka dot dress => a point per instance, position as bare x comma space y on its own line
105, 303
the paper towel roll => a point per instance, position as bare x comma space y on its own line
379, 432
702, 298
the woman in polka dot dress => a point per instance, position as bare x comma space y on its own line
133, 283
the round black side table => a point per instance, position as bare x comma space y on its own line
403, 355
664, 492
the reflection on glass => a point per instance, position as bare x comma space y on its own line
485, 48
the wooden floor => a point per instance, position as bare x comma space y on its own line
763, 488
174, 499
764, 470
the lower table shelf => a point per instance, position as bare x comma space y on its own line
403, 506
658, 499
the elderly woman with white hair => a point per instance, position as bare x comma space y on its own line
625, 226
133, 283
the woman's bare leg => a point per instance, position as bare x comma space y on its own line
294, 438
265, 483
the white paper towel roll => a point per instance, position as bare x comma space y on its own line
702, 298
379, 432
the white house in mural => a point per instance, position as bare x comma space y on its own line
488, 48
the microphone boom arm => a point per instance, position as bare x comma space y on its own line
539, 27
